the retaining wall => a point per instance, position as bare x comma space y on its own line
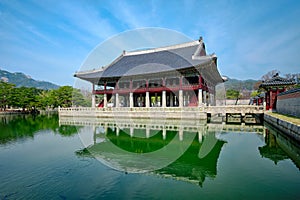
289, 102
290, 129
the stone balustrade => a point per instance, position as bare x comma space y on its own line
159, 112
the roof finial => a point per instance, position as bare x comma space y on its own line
200, 39
124, 52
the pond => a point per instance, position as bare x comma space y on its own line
44, 157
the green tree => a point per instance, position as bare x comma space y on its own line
25, 98
78, 99
33, 98
6, 90
67, 96
44, 100
255, 93
62, 96
232, 94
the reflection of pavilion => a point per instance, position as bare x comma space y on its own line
160, 124
171, 150
279, 147
191, 166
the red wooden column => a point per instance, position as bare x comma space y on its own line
200, 81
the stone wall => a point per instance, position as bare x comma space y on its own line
289, 103
292, 130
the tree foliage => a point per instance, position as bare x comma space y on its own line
33, 98
6, 90
255, 93
232, 94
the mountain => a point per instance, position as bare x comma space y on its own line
240, 85
245, 87
20, 79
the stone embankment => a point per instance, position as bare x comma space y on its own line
286, 124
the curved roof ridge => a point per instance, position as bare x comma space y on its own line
171, 47
89, 71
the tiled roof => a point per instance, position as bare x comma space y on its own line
277, 81
290, 91
151, 61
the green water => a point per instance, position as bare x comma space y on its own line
40, 159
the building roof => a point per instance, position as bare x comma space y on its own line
289, 91
277, 81
151, 61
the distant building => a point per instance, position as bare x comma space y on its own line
273, 87
174, 76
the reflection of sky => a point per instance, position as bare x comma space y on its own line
47, 167
86, 135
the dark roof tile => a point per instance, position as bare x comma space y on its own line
277, 81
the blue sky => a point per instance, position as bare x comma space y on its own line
50, 40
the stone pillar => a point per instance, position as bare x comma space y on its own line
180, 98
105, 100
131, 100
210, 99
127, 100
164, 133
131, 131
184, 98
147, 100
164, 99
200, 136
180, 134
147, 132
93, 101
200, 97
171, 99
118, 131
117, 100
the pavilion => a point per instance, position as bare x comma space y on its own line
174, 76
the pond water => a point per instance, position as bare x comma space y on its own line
42, 159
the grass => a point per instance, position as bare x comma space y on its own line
288, 118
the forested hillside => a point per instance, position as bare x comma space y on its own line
21, 80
